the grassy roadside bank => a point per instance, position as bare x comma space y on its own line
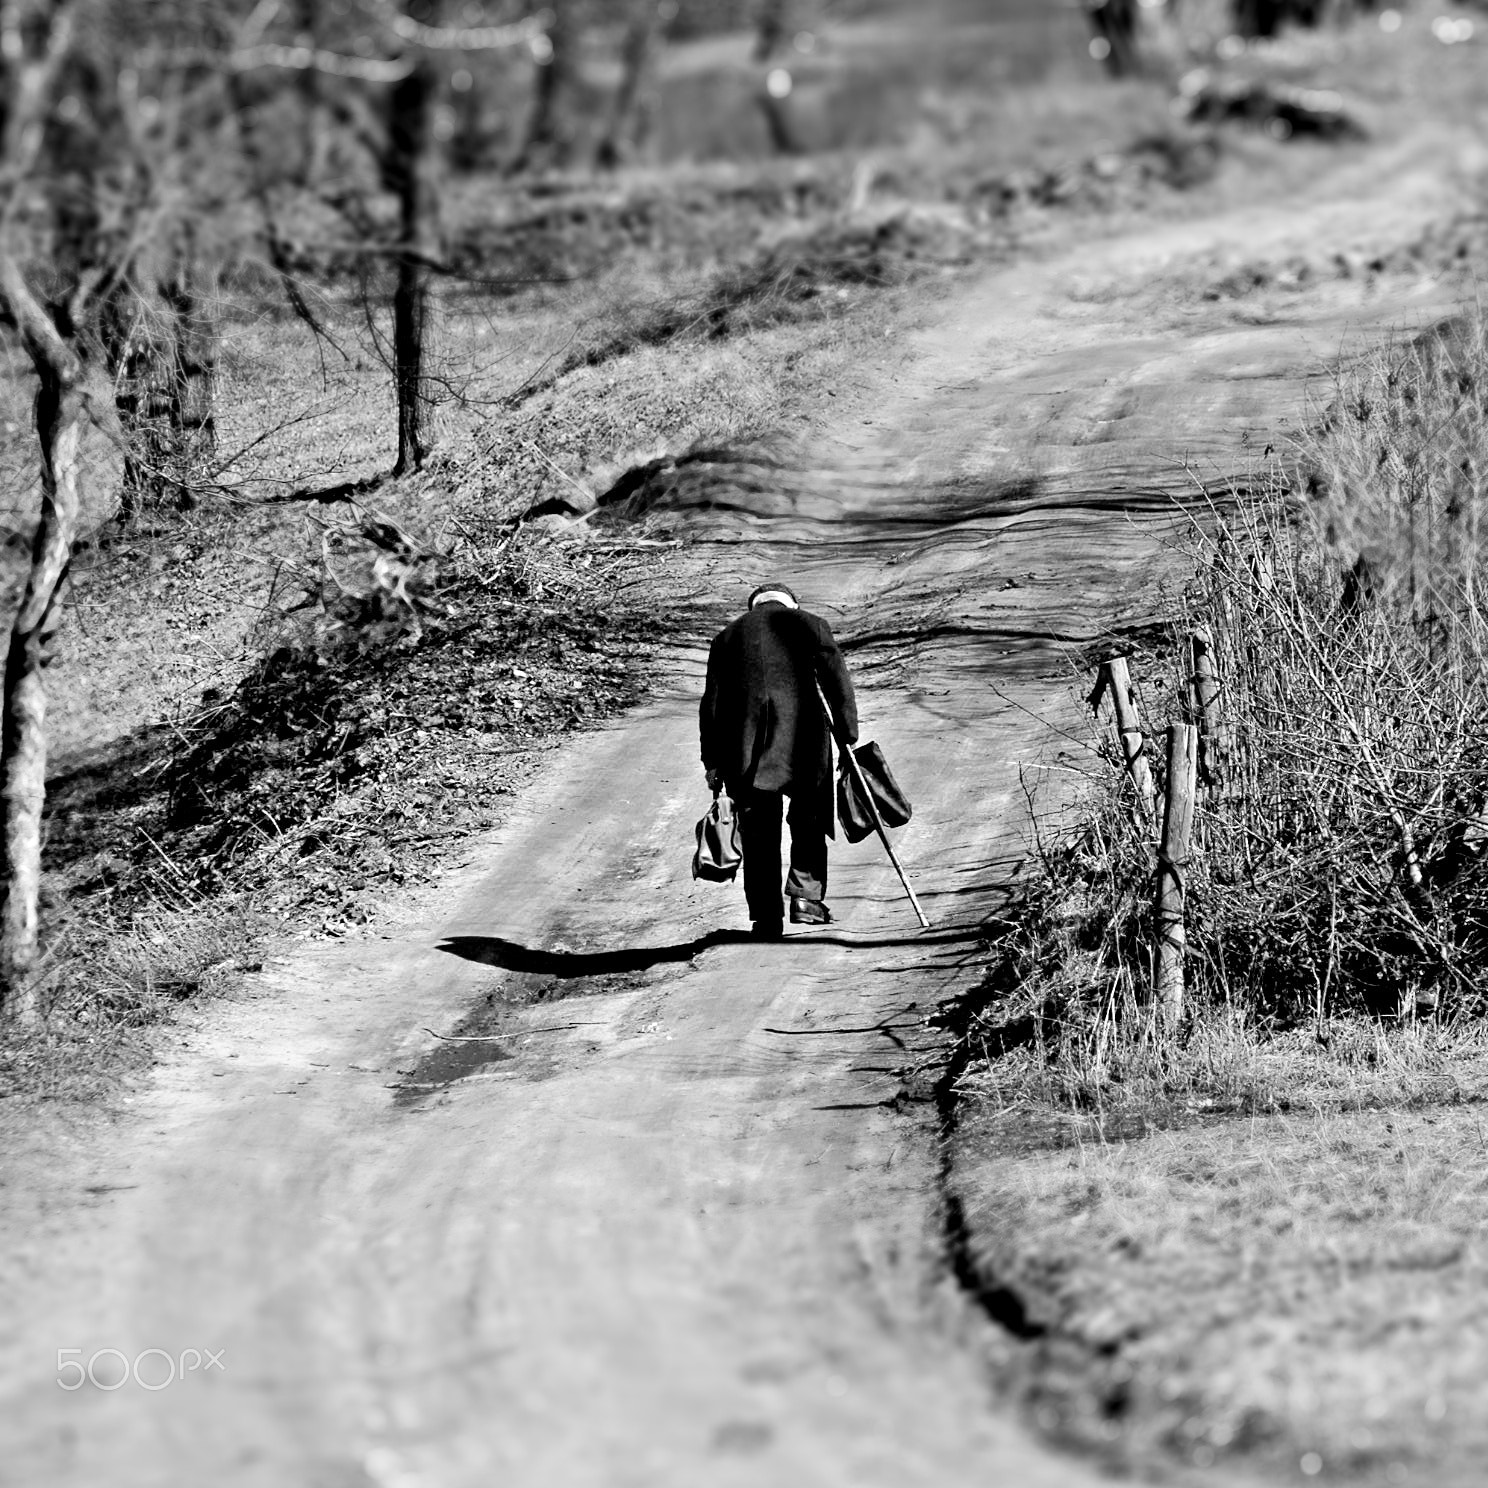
1295, 1298
1250, 1240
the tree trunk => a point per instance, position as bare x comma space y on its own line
630, 110
780, 122
548, 142
1258, 18
317, 146
411, 171
776, 18
772, 28
61, 412
1115, 23
193, 373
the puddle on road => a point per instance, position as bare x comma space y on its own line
446, 1063
496, 1032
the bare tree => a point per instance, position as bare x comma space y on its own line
34, 42
389, 99
1114, 23
774, 26
91, 247
308, 19
548, 141
630, 108
410, 165
61, 409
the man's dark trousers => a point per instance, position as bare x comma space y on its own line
764, 735
759, 837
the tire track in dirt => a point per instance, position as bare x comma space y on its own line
695, 1236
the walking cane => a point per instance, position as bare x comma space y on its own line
878, 825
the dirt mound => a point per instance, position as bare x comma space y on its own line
809, 276
1174, 161
578, 231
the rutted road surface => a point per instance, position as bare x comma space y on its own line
677, 1229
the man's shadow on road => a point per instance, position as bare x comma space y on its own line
511, 955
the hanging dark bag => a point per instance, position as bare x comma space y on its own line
718, 853
852, 810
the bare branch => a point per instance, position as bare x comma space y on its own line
28, 83
317, 59
460, 38
258, 22
44, 343
250, 54
293, 58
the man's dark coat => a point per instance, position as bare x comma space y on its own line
761, 722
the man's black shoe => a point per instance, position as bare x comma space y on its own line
809, 912
768, 930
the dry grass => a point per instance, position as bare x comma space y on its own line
107, 980
1300, 1296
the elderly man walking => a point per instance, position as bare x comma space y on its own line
764, 737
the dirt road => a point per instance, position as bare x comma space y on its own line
676, 1228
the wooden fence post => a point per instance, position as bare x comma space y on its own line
1172, 868
1206, 712
1129, 733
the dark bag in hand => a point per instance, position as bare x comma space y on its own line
718, 854
852, 811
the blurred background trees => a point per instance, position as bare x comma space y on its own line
628, 119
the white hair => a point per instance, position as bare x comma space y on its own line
778, 596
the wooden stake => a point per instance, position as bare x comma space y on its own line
1206, 712
1172, 868
1129, 733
